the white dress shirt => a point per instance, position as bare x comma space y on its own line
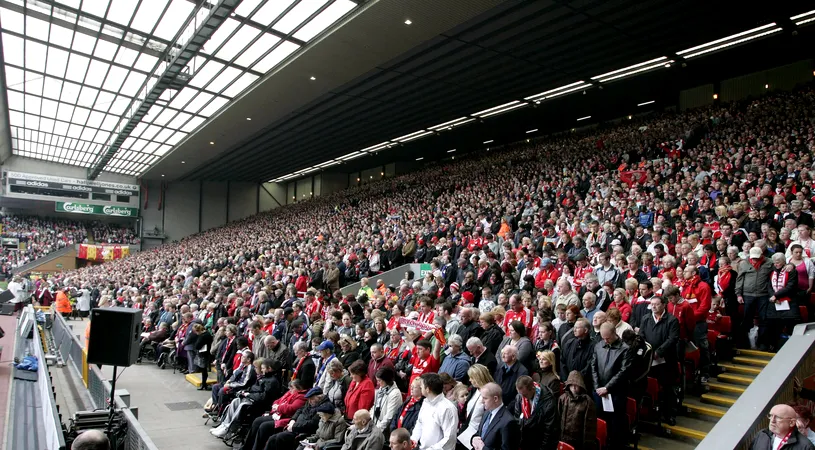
436, 425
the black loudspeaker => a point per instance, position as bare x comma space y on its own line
115, 335
6, 296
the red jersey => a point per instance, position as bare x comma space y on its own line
525, 317
422, 366
551, 274
697, 294
315, 306
687, 321
580, 274
427, 318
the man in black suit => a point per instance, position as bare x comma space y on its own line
304, 368
499, 429
508, 373
480, 355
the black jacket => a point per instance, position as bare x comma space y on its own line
204, 342
577, 356
764, 441
265, 391
411, 415
306, 420
663, 336
788, 291
610, 366
473, 330
307, 372
486, 359
542, 430
492, 338
507, 378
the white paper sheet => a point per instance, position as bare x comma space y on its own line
466, 437
608, 405
782, 306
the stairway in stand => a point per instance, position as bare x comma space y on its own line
699, 413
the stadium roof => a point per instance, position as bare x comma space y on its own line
78, 70
278, 92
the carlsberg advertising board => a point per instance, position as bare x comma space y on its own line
84, 208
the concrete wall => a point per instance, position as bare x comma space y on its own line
151, 216
243, 200
213, 204
758, 83
333, 182
65, 262
272, 195
181, 203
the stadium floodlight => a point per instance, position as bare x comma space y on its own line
490, 141
451, 124
531, 131
806, 17
576, 86
646, 103
500, 109
376, 147
655, 63
413, 136
584, 118
729, 41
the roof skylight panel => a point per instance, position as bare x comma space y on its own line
206, 73
179, 120
35, 56
12, 20
77, 67
271, 11
96, 8
213, 106
238, 42
121, 11
198, 102
192, 124
277, 55
257, 49
298, 15
325, 19
36, 28
225, 77
240, 84
173, 19
57, 62
148, 15
221, 35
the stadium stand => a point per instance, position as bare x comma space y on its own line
506, 218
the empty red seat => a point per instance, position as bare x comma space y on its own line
712, 337
804, 313
602, 433
564, 446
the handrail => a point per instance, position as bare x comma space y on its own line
96, 384
774, 385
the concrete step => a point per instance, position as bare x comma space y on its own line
736, 378
652, 442
739, 369
703, 411
682, 432
727, 388
721, 400
750, 361
757, 353
195, 379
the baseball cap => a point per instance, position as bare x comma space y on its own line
755, 253
325, 345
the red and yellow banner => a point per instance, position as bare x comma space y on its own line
102, 252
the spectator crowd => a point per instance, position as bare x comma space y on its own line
564, 273
39, 236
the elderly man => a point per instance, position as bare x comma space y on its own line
400, 440
782, 433
456, 363
508, 373
498, 429
577, 352
589, 305
752, 289
363, 435
661, 330
565, 294
598, 319
480, 354
437, 423
91, 440
610, 368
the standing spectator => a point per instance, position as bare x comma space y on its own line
492, 335
782, 311
438, 419
577, 352
698, 294
499, 429
407, 414
481, 355
609, 367
537, 407
456, 363
752, 286
661, 330
508, 373
578, 416
387, 399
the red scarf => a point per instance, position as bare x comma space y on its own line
688, 287
526, 405
756, 263
297, 369
724, 278
404, 411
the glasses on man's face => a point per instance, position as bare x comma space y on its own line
774, 418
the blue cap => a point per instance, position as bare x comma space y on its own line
314, 391
325, 345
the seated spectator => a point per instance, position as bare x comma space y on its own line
92, 440
803, 417
456, 363
282, 411
517, 338
481, 355
243, 377
304, 423
400, 440
259, 396
360, 393
330, 431
578, 416
363, 435
338, 385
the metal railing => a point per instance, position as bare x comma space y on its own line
74, 353
774, 385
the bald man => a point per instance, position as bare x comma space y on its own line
91, 440
781, 434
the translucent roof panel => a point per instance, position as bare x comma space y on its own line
76, 71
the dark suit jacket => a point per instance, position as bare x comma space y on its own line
487, 359
502, 433
541, 431
307, 372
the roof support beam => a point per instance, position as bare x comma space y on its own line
183, 55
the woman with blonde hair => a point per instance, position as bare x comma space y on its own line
348, 351
479, 376
621, 303
547, 374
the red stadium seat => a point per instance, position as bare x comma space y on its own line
631, 411
725, 325
602, 433
804, 313
564, 446
712, 337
